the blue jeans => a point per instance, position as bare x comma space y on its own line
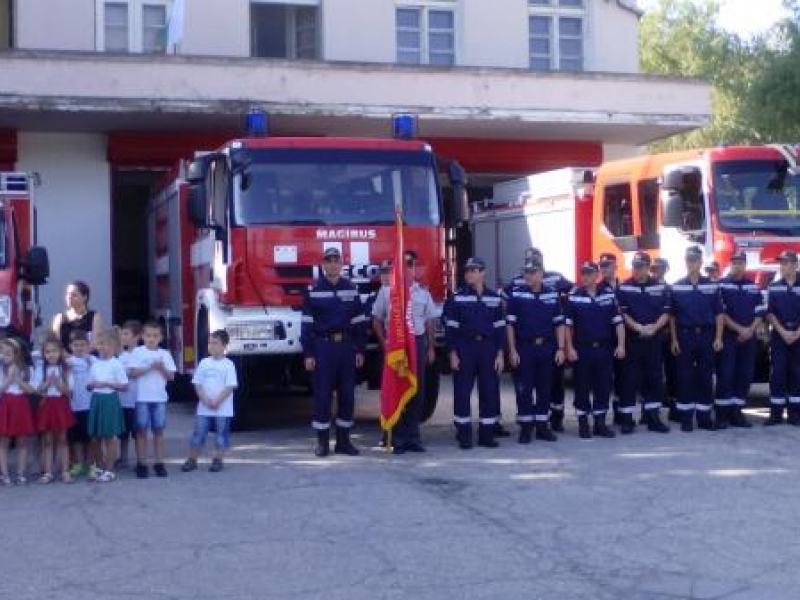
202, 425
151, 416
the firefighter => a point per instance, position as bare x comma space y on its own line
608, 278
596, 336
475, 335
696, 331
563, 286
536, 345
333, 339
713, 271
644, 303
783, 314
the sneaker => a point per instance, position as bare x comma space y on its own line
142, 472
189, 465
106, 477
216, 465
160, 470
77, 470
94, 473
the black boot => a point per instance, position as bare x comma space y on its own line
722, 416
601, 429
619, 417
704, 420
486, 436
738, 419
543, 432
626, 424
499, 431
654, 422
583, 427
775, 416
464, 436
525, 432
557, 420
687, 420
323, 443
343, 443
793, 414
673, 414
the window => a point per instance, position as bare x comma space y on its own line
617, 210
5, 25
648, 206
132, 26
284, 31
556, 35
425, 36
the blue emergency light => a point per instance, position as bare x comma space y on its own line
404, 126
256, 123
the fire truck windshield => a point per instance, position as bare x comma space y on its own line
758, 195
331, 186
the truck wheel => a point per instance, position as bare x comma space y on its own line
431, 393
181, 389
241, 409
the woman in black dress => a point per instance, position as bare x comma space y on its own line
77, 315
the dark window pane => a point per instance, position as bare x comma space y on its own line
568, 26
441, 19
408, 17
540, 25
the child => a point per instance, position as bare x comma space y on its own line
106, 378
79, 363
130, 336
152, 367
53, 382
214, 380
16, 416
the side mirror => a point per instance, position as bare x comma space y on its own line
673, 181
36, 266
197, 170
671, 209
459, 209
198, 205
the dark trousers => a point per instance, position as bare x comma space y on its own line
335, 371
784, 379
642, 372
557, 393
407, 428
695, 368
737, 367
535, 372
476, 361
593, 374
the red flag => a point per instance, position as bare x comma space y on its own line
399, 382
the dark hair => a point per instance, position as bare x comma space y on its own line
152, 324
132, 325
54, 340
82, 287
78, 335
222, 336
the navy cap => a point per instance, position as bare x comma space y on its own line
661, 263
475, 263
739, 255
532, 266
386, 266
694, 252
332, 252
641, 259
788, 255
607, 257
589, 267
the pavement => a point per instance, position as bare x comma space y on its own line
706, 515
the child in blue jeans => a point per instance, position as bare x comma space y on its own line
214, 380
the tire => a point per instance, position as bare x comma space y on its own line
181, 389
431, 393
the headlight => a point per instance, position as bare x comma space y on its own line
5, 311
251, 331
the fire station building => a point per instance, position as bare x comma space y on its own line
100, 98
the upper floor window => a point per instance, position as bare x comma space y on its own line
132, 26
556, 31
425, 35
284, 30
5, 25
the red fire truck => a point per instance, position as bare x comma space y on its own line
23, 266
238, 234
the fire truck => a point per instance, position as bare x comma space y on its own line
23, 265
237, 235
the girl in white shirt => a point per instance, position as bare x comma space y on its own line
16, 416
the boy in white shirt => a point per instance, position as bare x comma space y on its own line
151, 367
130, 335
80, 362
214, 380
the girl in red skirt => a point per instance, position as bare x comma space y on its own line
54, 415
16, 416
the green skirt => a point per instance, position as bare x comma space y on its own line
105, 416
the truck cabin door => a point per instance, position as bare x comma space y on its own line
684, 210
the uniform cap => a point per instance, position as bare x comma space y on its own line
712, 266
739, 255
332, 252
475, 263
694, 252
606, 258
386, 266
533, 252
661, 263
589, 267
788, 255
410, 256
641, 259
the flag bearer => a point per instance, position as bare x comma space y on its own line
475, 335
644, 303
744, 311
783, 314
696, 331
595, 337
536, 345
333, 337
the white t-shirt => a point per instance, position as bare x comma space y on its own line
80, 366
14, 388
108, 370
213, 375
41, 373
152, 386
128, 398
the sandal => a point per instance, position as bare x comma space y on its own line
21, 480
45, 478
5, 480
67, 478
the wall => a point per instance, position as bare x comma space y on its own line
493, 34
75, 190
358, 30
217, 28
613, 39
56, 24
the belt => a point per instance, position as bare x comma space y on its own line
479, 337
697, 329
334, 336
537, 341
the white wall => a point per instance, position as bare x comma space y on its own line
74, 209
359, 30
60, 24
493, 34
612, 44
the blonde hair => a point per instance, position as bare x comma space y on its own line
111, 336
19, 357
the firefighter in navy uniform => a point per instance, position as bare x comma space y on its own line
783, 314
744, 312
696, 330
536, 344
644, 303
333, 337
475, 335
595, 337
608, 278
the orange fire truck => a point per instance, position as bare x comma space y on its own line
236, 236
23, 266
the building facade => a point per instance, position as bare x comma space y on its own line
101, 97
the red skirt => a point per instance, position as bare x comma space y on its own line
54, 415
16, 416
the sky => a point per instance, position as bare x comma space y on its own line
745, 17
